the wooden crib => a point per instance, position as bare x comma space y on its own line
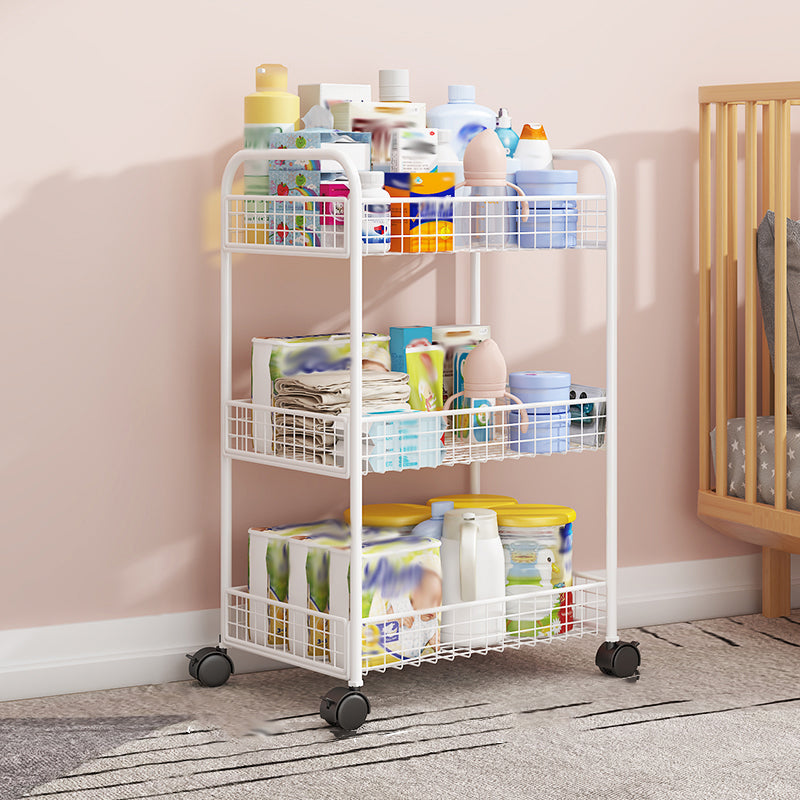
737, 380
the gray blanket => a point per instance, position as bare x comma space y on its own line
765, 438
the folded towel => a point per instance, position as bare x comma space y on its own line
329, 392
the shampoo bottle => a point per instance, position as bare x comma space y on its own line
270, 109
462, 116
533, 149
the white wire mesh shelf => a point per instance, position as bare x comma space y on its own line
317, 226
319, 641
397, 441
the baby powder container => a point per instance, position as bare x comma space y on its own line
547, 426
432, 528
476, 500
462, 116
376, 217
401, 517
552, 223
473, 568
537, 546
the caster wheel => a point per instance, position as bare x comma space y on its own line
620, 659
210, 666
345, 708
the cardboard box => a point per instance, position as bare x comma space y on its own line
328, 94
379, 119
414, 149
400, 338
422, 227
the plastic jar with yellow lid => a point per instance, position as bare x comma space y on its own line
477, 500
400, 516
537, 544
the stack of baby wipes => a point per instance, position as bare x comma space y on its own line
308, 567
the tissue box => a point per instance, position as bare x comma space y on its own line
353, 143
291, 221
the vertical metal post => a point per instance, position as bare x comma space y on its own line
612, 430
353, 218
475, 319
226, 369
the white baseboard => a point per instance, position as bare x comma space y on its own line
62, 659
84, 656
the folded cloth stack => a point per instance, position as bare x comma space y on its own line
329, 392
320, 441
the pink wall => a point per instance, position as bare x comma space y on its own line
117, 122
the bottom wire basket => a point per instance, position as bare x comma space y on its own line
318, 641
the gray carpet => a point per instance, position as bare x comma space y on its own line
716, 714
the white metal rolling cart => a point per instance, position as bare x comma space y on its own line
351, 445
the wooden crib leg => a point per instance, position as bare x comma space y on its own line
776, 582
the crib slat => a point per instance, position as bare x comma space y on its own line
720, 306
767, 203
781, 211
751, 333
705, 296
731, 266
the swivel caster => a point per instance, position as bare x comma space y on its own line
344, 707
620, 659
210, 666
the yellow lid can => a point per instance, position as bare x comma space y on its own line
477, 500
391, 515
535, 515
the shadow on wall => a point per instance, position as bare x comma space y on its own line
113, 427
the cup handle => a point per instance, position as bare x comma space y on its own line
523, 413
468, 558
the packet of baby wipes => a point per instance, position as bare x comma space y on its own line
268, 576
311, 554
402, 577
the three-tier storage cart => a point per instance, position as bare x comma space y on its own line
349, 446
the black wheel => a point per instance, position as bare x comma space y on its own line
620, 659
210, 666
345, 708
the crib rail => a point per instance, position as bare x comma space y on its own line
720, 225
729, 368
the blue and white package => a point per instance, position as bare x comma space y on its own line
396, 440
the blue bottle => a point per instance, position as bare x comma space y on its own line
432, 528
505, 133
